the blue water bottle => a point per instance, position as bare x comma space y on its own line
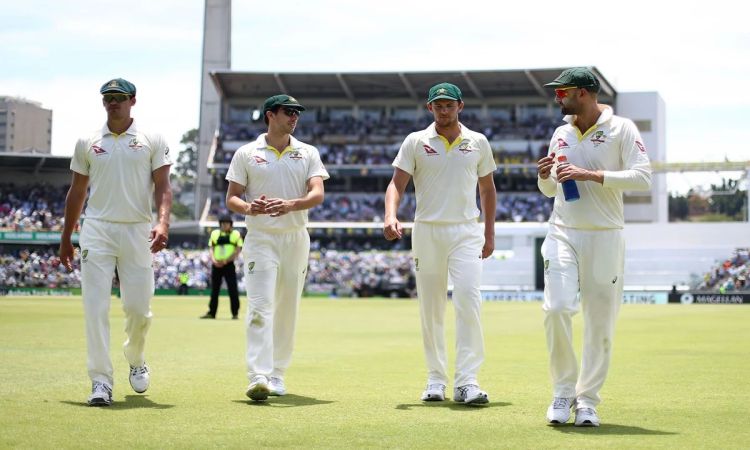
570, 188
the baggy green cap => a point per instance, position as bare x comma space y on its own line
580, 77
281, 100
444, 90
119, 85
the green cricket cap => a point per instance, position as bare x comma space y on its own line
444, 90
580, 77
118, 85
281, 100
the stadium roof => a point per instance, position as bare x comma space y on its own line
478, 85
34, 161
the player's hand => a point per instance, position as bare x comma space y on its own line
258, 206
567, 171
67, 252
489, 247
544, 166
277, 207
392, 229
159, 237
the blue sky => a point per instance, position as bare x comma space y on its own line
697, 58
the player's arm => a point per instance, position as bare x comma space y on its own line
163, 201
314, 197
392, 228
73, 207
235, 203
488, 201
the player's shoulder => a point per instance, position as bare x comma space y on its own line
471, 134
252, 146
300, 146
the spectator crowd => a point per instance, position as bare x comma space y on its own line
35, 207
331, 272
729, 275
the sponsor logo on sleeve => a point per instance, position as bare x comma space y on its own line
561, 143
641, 147
429, 151
259, 160
98, 150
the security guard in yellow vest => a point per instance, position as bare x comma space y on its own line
225, 244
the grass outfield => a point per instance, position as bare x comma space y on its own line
679, 379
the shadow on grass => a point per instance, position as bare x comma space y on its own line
451, 405
286, 401
610, 429
131, 402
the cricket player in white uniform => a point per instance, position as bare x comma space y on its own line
123, 166
280, 178
447, 161
584, 249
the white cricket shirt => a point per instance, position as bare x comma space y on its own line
445, 174
119, 168
614, 146
263, 170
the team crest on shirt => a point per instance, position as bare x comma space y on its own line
135, 144
295, 155
429, 151
641, 147
561, 143
546, 266
598, 138
416, 264
465, 148
250, 266
98, 150
259, 160
84, 255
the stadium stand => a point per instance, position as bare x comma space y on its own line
728, 275
33, 207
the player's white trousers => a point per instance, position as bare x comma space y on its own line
275, 270
589, 262
104, 246
439, 250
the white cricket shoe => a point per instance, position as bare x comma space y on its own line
101, 394
559, 410
258, 388
139, 378
470, 394
276, 387
586, 417
434, 393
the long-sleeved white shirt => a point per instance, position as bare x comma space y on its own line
614, 147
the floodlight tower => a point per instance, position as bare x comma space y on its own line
217, 52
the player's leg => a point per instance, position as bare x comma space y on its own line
294, 249
261, 281
234, 296
465, 269
602, 268
431, 261
561, 285
137, 285
97, 270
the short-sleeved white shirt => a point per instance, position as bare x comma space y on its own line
119, 168
614, 146
263, 170
445, 174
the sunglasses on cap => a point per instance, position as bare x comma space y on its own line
119, 98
